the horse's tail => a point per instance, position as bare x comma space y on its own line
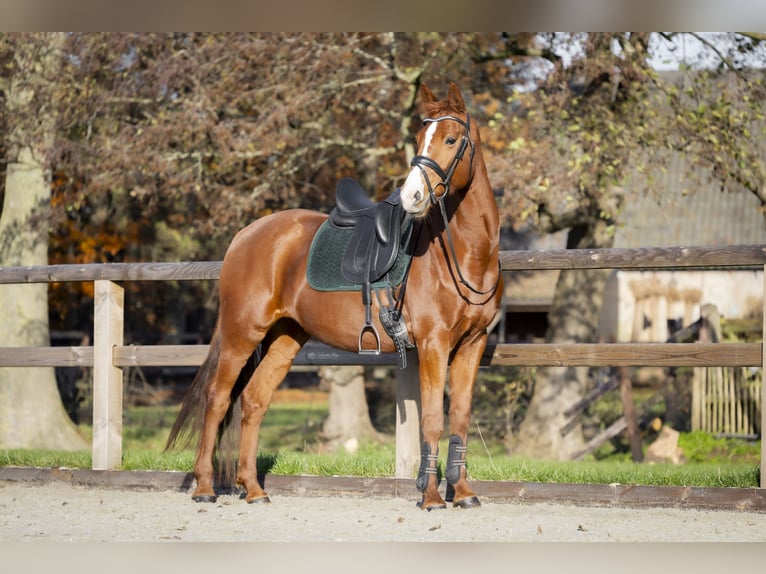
191, 417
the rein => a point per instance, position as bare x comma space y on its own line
420, 161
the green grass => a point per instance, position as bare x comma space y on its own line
290, 433
614, 472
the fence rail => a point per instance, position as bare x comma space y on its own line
109, 355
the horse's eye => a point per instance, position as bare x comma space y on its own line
451, 141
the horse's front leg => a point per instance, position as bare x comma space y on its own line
463, 370
433, 373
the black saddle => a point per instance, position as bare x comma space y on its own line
380, 231
375, 241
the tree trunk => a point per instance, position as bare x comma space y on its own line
573, 318
31, 412
348, 422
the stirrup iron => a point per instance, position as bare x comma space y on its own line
369, 328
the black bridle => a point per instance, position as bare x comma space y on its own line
422, 162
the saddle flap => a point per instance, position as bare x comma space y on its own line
388, 218
376, 231
367, 259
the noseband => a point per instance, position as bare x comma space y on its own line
422, 161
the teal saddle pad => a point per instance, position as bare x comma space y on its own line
323, 271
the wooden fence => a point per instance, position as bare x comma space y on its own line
108, 355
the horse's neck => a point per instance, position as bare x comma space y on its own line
472, 244
475, 219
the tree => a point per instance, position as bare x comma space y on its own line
31, 412
720, 111
572, 152
348, 423
592, 132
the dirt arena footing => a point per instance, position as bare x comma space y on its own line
746, 499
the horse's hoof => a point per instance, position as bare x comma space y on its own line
436, 507
468, 502
259, 500
204, 498
430, 507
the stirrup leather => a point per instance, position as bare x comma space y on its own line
393, 322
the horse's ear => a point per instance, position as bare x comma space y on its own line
455, 98
426, 94
430, 103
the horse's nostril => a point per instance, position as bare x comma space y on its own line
418, 196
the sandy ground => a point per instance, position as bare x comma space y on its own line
61, 512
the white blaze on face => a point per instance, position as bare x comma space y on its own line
414, 195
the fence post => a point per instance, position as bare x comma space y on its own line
108, 319
763, 387
408, 418
629, 412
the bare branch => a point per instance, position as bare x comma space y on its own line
727, 61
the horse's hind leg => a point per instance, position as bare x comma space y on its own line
230, 363
465, 365
280, 348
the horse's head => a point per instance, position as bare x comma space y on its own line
445, 151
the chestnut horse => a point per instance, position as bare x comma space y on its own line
453, 290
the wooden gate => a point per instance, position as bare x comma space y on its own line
727, 401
